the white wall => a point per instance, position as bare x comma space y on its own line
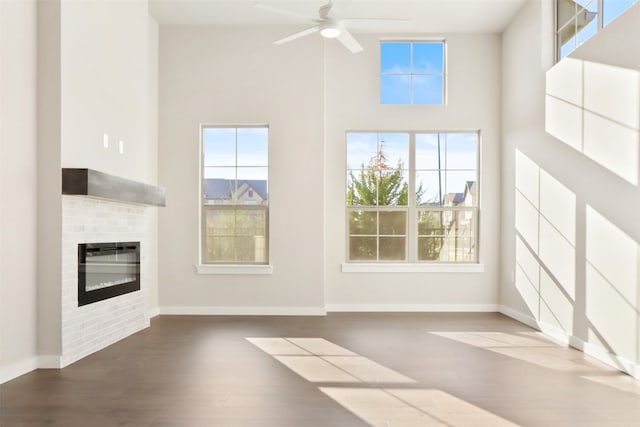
352, 103
212, 75
78, 69
105, 83
234, 75
49, 247
569, 232
18, 177
152, 161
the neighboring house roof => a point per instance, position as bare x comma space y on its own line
470, 188
222, 189
453, 199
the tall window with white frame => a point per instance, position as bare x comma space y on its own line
235, 202
412, 72
412, 197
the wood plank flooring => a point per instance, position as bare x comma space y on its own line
361, 369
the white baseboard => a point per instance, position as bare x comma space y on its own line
16, 369
49, 362
245, 311
153, 312
590, 349
415, 308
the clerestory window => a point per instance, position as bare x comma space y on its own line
412, 72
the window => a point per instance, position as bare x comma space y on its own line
412, 196
576, 22
412, 72
579, 20
235, 216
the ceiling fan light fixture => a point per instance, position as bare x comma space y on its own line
330, 31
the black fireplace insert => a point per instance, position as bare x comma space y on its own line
106, 270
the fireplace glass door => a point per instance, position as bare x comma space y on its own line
106, 270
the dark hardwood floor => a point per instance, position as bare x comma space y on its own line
354, 370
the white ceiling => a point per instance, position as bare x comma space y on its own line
427, 16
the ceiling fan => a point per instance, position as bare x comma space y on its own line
331, 26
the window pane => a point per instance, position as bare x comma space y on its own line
395, 149
392, 248
393, 223
220, 173
565, 12
427, 151
567, 38
362, 187
395, 57
458, 243
248, 222
252, 192
219, 222
429, 248
219, 146
363, 248
462, 151
253, 147
235, 249
395, 89
457, 249
218, 190
458, 181
253, 174
430, 188
429, 223
588, 28
361, 148
363, 222
428, 58
428, 89
393, 188
235, 235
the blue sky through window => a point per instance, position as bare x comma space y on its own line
232, 153
412, 72
444, 162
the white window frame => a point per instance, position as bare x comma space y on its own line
444, 65
411, 264
227, 268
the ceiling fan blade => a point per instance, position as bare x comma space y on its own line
349, 42
377, 25
298, 35
324, 10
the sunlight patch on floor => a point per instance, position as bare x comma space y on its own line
412, 407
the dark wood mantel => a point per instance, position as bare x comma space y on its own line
92, 183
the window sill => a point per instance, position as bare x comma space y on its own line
234, 269
411, 268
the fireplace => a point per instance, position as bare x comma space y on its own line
106, 270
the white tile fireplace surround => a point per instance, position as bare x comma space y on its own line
92, 327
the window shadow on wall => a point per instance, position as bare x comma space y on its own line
595, 109
580, 285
